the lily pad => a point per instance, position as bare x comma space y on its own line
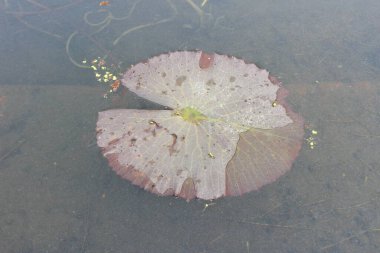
227, 129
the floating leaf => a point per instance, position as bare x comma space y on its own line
227, 131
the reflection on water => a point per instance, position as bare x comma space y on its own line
59, 194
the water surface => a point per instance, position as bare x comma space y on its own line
57, 192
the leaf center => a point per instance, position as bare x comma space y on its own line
190, 114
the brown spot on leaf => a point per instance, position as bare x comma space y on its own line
180, 80
152, 122
171, 147
138, 84
210, 82
113, 141
133, 141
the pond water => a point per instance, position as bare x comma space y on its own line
58, 193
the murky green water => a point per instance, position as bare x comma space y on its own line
59, 195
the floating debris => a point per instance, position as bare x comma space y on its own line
104, 3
